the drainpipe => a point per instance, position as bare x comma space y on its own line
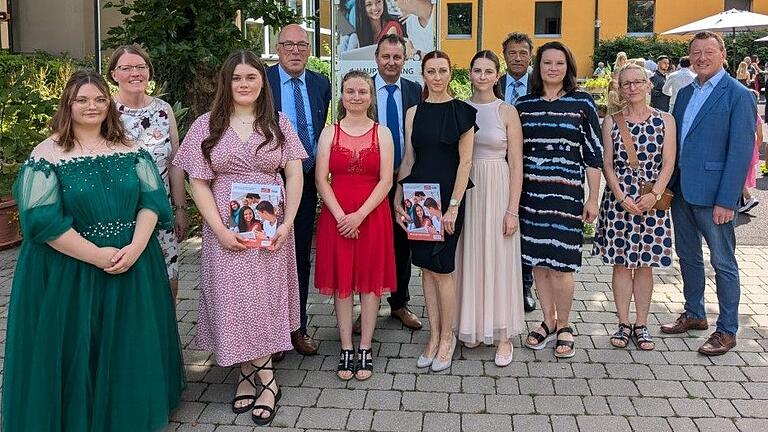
316, 14
479, 25
97, 34
597, 25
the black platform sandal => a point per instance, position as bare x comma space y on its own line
643, 337
272, 410
622, 335
541, 340
346, 364
565, 343
365, 363
252, 398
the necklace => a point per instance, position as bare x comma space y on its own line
243, 122
91, 149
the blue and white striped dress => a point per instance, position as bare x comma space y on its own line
560, 139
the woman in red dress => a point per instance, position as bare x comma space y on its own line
355, 251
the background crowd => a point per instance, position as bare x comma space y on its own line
100, 250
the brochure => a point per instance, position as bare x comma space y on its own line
422, 202
253, 212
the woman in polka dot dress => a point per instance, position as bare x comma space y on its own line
631, 235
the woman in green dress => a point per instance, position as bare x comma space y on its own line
92, 341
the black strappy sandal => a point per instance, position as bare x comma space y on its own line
252, 398
623, 333
643, 336
365, 363
541, 340
272, 410
565, 343
346, 364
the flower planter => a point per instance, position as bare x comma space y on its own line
9, 224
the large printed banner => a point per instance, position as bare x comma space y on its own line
359, 24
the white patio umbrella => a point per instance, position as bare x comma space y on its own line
730, 21
762, 39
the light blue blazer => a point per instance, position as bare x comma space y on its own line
712, 165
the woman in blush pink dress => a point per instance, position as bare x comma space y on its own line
249, 298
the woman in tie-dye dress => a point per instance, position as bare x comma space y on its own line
561, 139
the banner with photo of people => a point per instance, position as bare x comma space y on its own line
359, 24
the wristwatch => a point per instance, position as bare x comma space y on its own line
658, 196
453, 202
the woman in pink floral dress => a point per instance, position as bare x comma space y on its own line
249, 298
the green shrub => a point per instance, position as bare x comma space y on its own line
320, 66
635, 47
29, 93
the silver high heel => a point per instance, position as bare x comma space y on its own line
438, 365
424, 362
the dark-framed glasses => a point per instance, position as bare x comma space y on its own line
289, 45
626, 85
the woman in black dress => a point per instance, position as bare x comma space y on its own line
439, 133
561, 132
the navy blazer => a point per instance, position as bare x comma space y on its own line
318, 89
712, 165
411, 93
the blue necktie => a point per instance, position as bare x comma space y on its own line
393, 123
302, 129
515, 93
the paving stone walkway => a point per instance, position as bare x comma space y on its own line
600, 389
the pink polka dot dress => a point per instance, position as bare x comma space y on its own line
249, 300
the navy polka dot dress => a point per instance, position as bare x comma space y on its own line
622, 238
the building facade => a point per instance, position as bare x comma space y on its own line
58, 26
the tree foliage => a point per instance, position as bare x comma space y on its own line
637, 47
189, 39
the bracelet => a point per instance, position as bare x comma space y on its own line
511, 214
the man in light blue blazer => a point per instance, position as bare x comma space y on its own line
715, 118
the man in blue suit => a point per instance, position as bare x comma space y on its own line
303, 96
715, 118
394, 95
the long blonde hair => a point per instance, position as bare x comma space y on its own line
371, 112
741, 72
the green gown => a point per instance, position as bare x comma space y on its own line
86, 350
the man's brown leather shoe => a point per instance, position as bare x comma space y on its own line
278, 356
684, 323
303, 344
407, 318
718, 343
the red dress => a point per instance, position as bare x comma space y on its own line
366, 264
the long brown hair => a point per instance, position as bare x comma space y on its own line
489, 55
112, 128
436, 54
569, 81
266, 120
371, 112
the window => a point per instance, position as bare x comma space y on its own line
744, 5
459, 20
640, 17
548, 15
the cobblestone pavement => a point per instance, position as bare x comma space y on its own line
600, 389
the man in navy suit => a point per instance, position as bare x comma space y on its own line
394, 95
715, 118
303, 96
517, 49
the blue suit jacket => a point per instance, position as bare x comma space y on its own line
318, 89
712, 166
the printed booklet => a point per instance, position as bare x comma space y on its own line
422, 202
253, 212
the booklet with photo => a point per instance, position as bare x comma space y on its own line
422, 202
253, 212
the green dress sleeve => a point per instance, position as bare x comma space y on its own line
38, 196
153, 195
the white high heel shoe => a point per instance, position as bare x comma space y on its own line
438, 365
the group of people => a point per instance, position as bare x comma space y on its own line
510, 164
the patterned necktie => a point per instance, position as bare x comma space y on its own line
515, 92
393, 123
302, 129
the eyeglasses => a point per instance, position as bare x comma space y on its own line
84, 102
289, 46
131, 68
626, 85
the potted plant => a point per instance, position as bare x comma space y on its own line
27, 102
